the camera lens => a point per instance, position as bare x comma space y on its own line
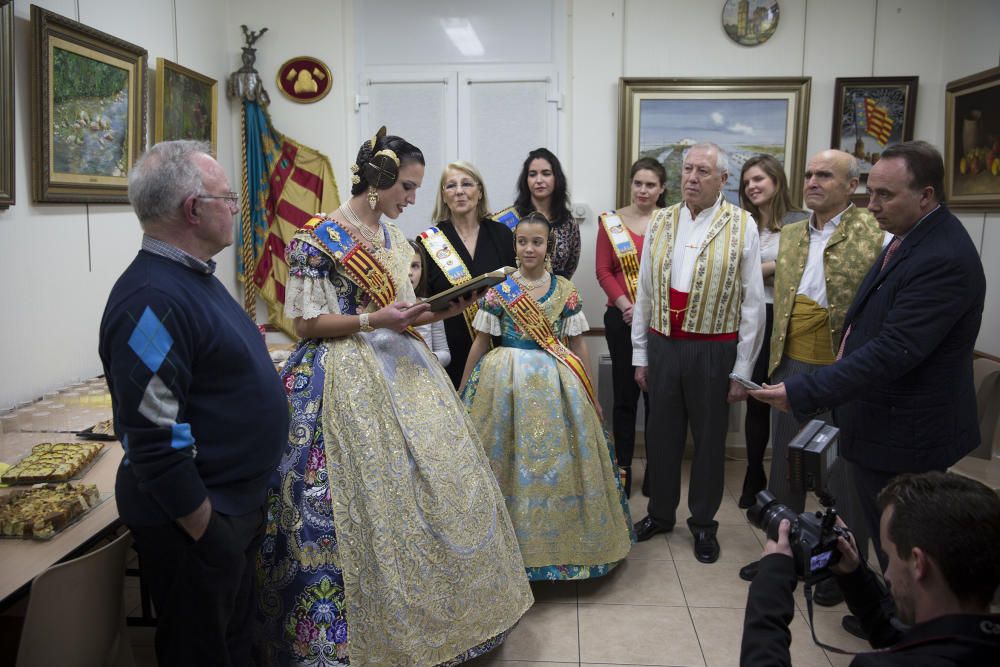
767, 514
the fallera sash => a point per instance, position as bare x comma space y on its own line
625, 250
509, 216
362, 267
443, 253
528, 315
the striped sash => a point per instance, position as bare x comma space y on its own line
443, 253
625, 251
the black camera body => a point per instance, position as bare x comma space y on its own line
813, 535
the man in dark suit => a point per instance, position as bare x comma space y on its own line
902, 388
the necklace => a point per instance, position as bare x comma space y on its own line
352, 217
533, 284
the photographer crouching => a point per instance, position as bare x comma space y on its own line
941, 533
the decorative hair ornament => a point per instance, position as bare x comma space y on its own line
355, 179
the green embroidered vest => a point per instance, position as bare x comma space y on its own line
717, 285
848, 255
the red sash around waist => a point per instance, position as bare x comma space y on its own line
678, 307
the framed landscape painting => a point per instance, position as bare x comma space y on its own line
661, 118
972, 141
186, 104
88, 108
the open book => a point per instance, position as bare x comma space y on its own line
441, 300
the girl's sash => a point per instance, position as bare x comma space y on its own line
362, 267
625, 250
443, 253
528, 315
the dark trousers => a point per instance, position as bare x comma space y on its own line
626, 391
757, 425
203, 591
688, 381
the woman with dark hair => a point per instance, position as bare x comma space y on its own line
464, 242
620, 235
560, 483
386, 528
542, 187
763, 192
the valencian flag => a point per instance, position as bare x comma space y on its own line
284, 184
287, 183
877, 119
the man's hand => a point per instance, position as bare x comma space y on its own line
641, 372
196, 523
773, 394
849, 558
781, 546
737, 392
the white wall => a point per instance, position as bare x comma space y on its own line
59, 261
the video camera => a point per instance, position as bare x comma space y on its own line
813, 535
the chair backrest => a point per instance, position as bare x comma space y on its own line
75, 612
986, 376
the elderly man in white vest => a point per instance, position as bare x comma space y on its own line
699, 316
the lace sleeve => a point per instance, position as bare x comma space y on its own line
309, 292
574, 321
486, 321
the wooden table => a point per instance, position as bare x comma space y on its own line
23, 560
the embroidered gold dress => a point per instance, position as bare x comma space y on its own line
387, 540
547, 446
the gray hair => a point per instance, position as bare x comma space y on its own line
853, 167
163, 177
721, 156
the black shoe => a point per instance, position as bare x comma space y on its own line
706, 547
648, 527
853, 626
827, 593
752, 483
749, 571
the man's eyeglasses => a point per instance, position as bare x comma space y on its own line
232, 198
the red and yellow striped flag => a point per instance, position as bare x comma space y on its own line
878, 121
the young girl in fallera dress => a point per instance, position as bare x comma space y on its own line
533, 403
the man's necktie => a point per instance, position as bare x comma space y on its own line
890, 251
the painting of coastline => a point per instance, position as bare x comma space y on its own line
90, 114
742, 127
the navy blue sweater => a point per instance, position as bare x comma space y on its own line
197, 403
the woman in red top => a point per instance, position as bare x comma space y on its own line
620, 235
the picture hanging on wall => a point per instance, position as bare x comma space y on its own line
750, 22
6, 103
972, 141
186, 105
661, 118
88, 100
870, 114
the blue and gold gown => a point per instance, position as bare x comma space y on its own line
387, 539
547, 446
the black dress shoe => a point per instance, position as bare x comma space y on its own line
827, 593
648, 527
706, 547
749, 571
853, 626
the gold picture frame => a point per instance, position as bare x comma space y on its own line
6, 103
972, 142
659, 117
186, 106
88, 102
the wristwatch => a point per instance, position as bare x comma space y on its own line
363, 324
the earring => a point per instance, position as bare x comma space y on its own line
517, 260
548, 262
372, 197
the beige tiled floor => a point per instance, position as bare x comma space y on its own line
659, 607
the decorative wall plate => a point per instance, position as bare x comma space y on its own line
750, 22
304, 79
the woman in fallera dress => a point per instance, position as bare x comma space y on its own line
386, 530
462, 244
533, 403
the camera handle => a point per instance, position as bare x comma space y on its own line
812, 626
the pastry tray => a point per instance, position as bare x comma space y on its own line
103, 498
75, 478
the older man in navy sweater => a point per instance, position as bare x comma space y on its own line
198, 407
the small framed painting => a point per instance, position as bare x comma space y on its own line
186, 105
972, 141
